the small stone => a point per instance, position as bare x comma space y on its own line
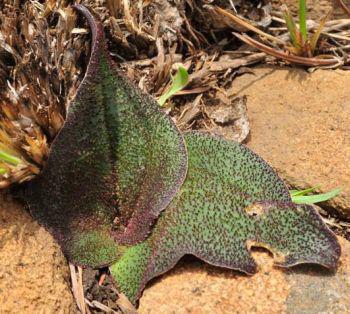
224, 115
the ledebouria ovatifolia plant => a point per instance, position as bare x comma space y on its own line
124, 188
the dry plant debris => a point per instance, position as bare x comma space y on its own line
344, 6
39, 74
279, 47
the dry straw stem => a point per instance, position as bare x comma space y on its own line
315, 62
248, 26
124, 305
76, 273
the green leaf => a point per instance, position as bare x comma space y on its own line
302, 198
302, 19
3, 171
302, 192
118, 161
291, 26
231, 200
178, 83
8, 158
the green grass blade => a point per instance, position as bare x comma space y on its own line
10, 159
179, 81
3, 171
291, 26
302, 19
302, 192
312, 199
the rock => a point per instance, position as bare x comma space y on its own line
300, 124
230, 119
194, 287
34, 276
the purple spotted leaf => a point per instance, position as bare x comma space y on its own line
118, 158
119, 161
230, 201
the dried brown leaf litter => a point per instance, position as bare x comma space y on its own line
39, 73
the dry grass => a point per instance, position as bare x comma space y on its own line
279, 45
39, 73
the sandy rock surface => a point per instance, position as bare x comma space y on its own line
300, 124
34, 276
193, 287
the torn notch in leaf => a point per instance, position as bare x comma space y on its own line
117, 156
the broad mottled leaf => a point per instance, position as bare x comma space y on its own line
231, 200
117, 155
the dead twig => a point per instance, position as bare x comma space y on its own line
77, 287
248, 26
315, 62
125, 305
100, 306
